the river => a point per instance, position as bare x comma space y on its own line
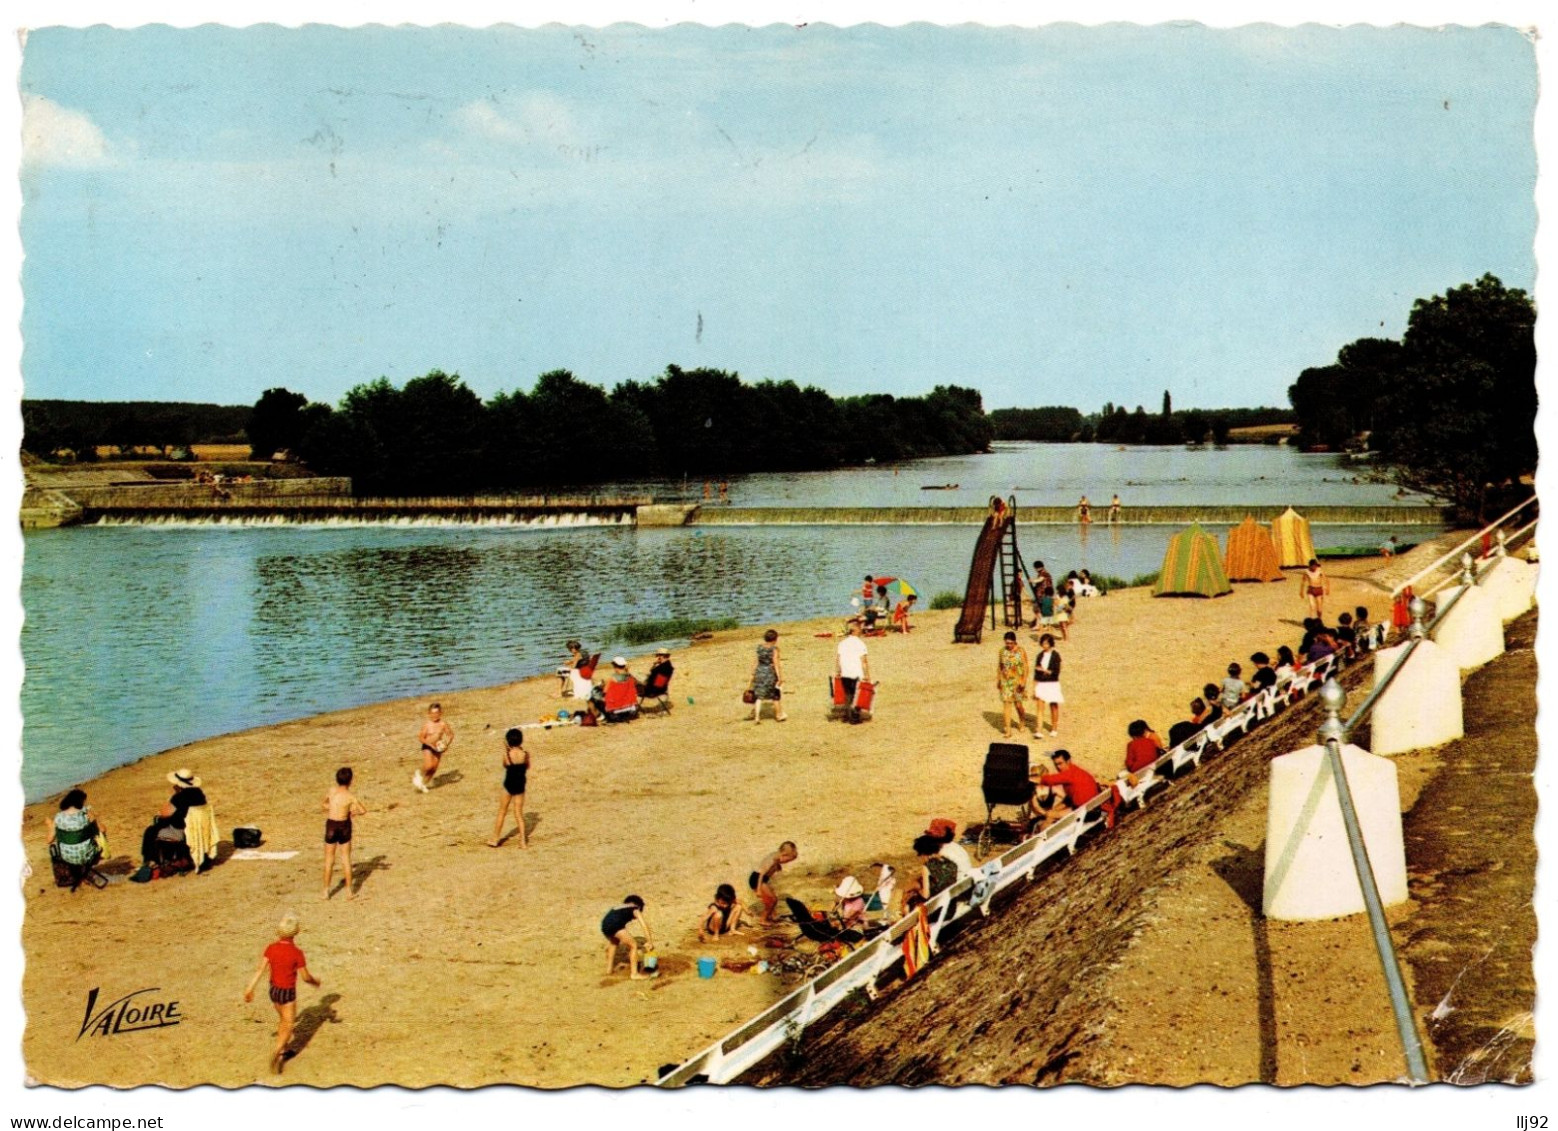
139, 638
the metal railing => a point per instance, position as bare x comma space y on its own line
877, 958
1439, 562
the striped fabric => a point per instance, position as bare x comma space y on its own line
1290, 532
1251, 556
1192, 567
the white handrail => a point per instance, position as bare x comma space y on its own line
785, 1020
1426, 570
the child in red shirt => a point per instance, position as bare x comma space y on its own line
1144, 748
285, 962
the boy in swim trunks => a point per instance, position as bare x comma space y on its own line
435, 736
285, 962
766, 871
340, 808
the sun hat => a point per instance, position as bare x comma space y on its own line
662, 651
848, 888
618, 662
941, 828
185, 778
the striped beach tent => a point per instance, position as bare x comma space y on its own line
1251, 554
1192, 567
1290, 532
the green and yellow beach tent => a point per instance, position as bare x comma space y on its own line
1251, 555
1192, 567
1290, 531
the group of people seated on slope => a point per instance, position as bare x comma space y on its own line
181, 838
617, 695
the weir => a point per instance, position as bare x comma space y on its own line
330, 503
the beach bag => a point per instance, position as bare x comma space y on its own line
62, 876
749, 696
246, 836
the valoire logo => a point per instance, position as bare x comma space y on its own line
126, 1015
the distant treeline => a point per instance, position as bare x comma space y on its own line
1450, 408
435, 435
1059, 424
50, 426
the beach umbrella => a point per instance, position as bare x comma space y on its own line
1251, 556
1290, 532
904, 589
1192, 567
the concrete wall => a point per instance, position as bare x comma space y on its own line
184, 494
1167, 516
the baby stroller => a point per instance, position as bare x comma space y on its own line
1005, 782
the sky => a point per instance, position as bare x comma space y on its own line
1055, 215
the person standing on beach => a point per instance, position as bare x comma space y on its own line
1316, 587
516, 767
1046, 686
340, 808
852, 665
767, 678
286, 963
436, 736
1011, 680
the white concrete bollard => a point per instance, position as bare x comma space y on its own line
1511, 586
1472, 632
1309, 868
1422, 706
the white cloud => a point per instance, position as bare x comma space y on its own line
535, 118
54, 135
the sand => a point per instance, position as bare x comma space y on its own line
465, 965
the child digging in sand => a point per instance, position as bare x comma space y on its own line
615, 927
340, 808
724, 916
285, 962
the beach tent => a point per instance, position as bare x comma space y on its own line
1192, 567
1290, 531
1251, 554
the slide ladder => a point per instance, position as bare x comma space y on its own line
995, 576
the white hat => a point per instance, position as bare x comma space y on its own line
618, 662
848, 888
184, 778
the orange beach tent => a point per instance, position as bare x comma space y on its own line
1192, 567
1290, 532
1251, 554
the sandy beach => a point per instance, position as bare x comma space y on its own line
465, 965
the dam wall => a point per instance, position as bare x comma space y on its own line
1221, 515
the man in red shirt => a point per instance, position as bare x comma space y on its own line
1080, 786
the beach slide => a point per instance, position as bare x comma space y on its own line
976, 598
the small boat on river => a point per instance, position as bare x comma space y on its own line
939, 487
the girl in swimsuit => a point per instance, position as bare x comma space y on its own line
723, 916
516, 766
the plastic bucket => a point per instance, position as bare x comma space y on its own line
706, 967
651, 962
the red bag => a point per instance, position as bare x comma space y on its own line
864, 694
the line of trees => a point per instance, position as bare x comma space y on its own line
434, 435
50, 427
1450, 408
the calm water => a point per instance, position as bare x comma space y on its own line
138, 638
1059, 474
